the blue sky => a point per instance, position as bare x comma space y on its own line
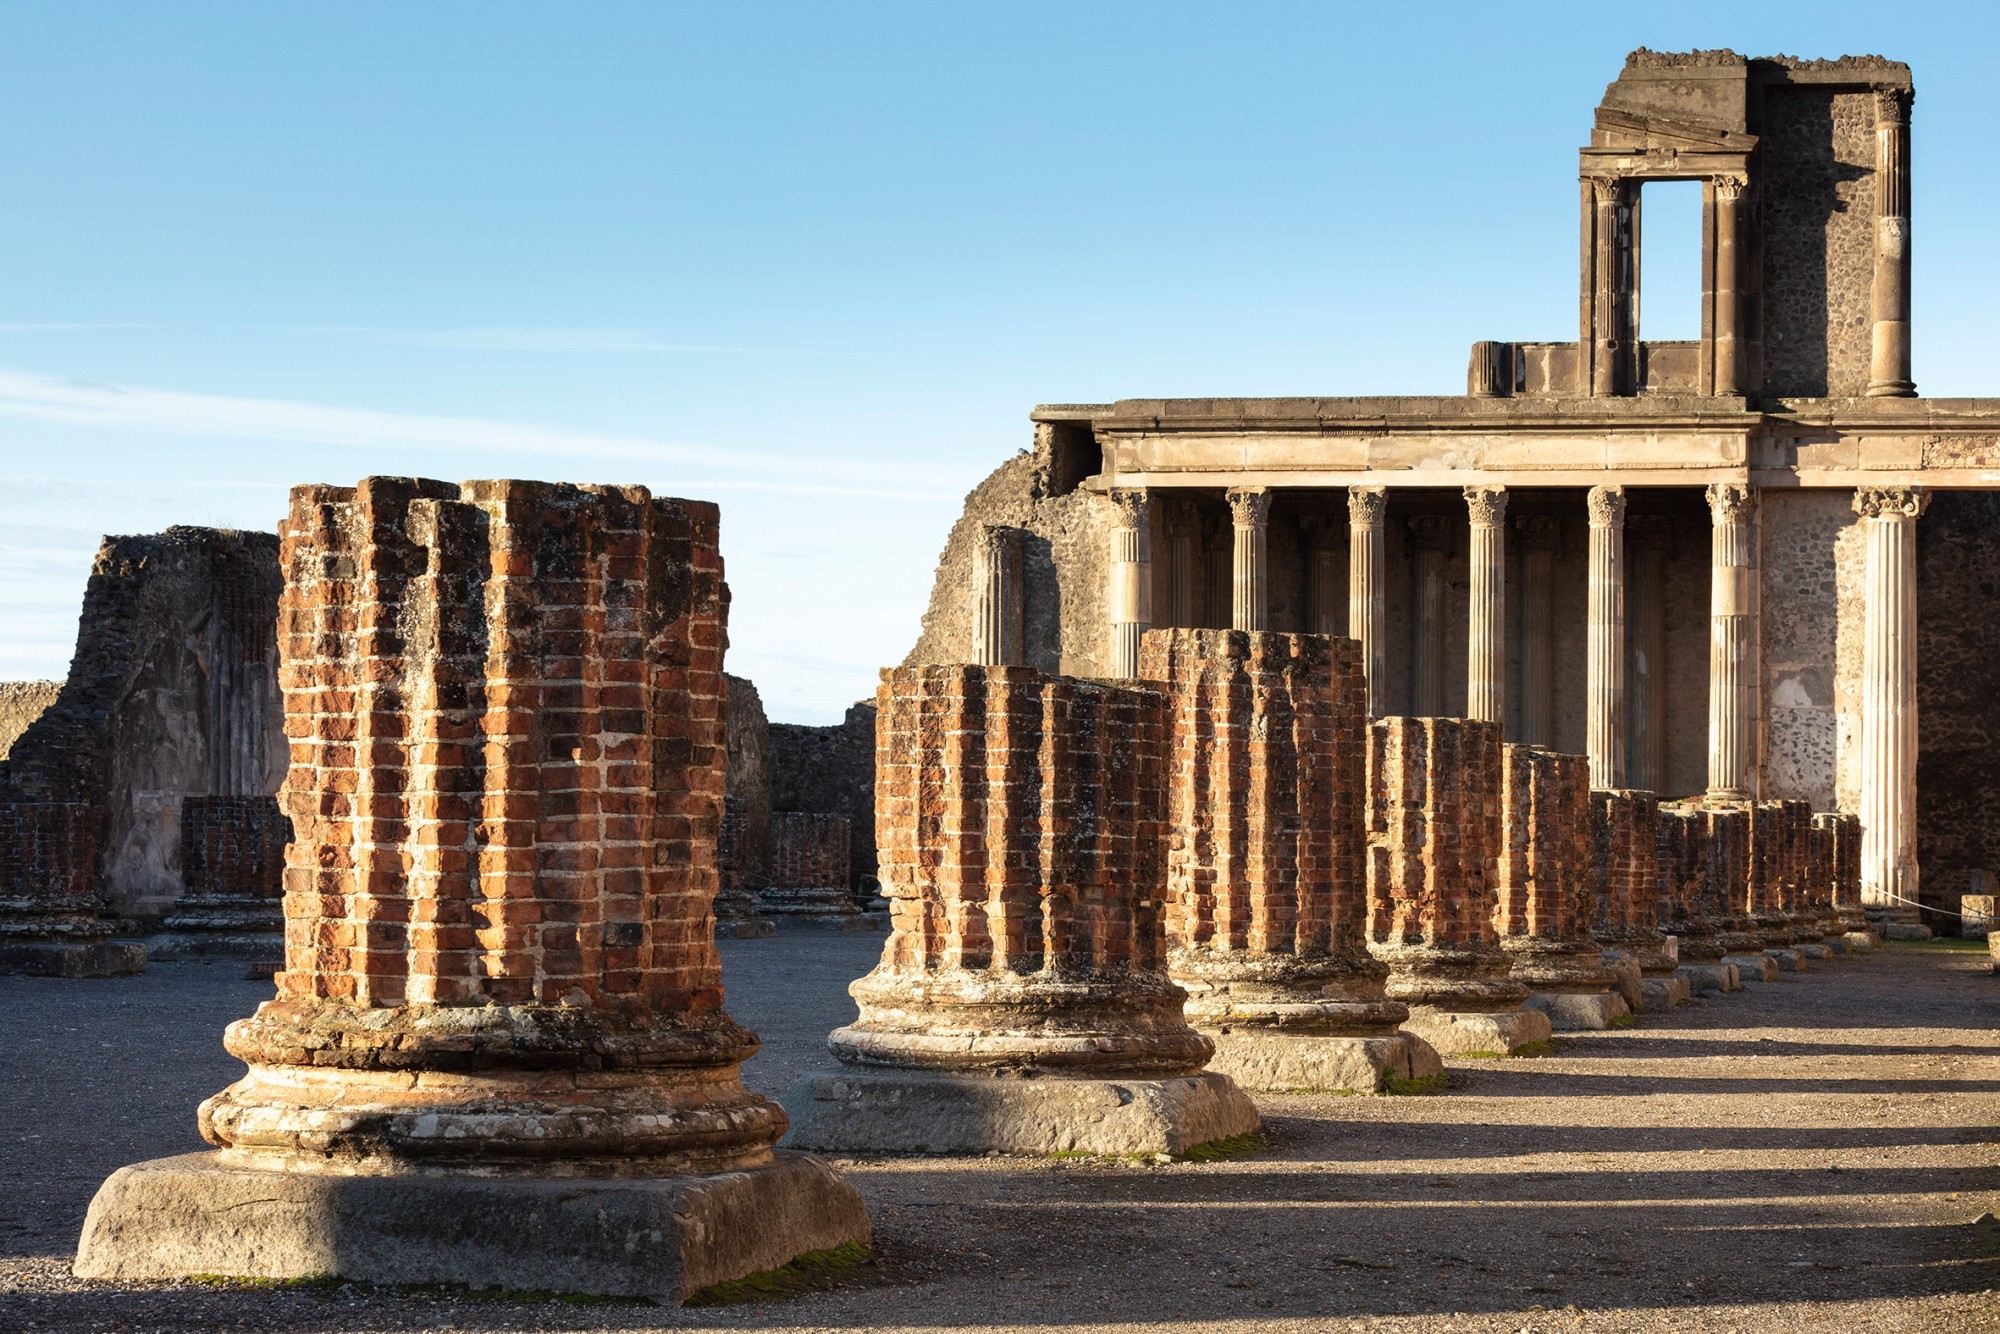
815, 262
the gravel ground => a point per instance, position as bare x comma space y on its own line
1809, 1156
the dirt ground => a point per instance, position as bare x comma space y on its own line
1816, 1155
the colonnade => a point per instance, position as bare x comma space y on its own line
1625, 711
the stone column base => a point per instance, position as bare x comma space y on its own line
895, 1111
1571, 1011
1905, 931
177, 946
1274, 1061
1626, 969
1752, 968
64, 958
1479, 1032
1709, 976
662, 1237
1664, 993
1788, 960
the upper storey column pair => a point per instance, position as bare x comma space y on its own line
1130, 581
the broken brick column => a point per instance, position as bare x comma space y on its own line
52, 922
1778, 831
232, 878
1817, 908
1434, 818
1847, 909
1687, 866
1543, 902
1625, 838
1266, 901
498, 1054
1733, 886
810, 865
1022, 1003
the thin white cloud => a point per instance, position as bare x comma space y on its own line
64, 328
169, 412
512, 338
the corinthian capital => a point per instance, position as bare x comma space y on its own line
1131, 507
1607, 506
1893, 105
1249, 506
1731, 502
1731, 185
1891, 502
1486, 505
1366, 505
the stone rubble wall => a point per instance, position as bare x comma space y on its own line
809, 850
21, 702
830, 771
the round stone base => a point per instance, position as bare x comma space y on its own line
920, 1111
1702, 977
176, 946
660, 1237
1573, 1011
1478, 1033
1661, 994
1753, 968
61, 958
1278, 1062
1629, 981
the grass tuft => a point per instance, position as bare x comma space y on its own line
1230, 1146
1622, 1021
1421, 1086
239, 1283
811, 1272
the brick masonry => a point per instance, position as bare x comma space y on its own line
809, 850
1543, 903
1625, 866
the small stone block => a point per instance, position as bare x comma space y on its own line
1788, 960
1279, 1062
661, 1237
1753, 968
1993, 949
1702, 977
1905, 931
1663, 993
1574, 1011
110, 958
1625, 969
1976, 913
1812, 949
1482, 1032
1862, 940
917, 1111
1836, 947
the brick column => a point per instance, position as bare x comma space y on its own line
996, 596
1129, 606
1021, 825
1687, 869
1250, 521
1368, 588
503, 700
1625, 835
1266, 897
51, 920
1734, 882
1846, 831
811, 862
1433, 840
1544, 906
1486, 622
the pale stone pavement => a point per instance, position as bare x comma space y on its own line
1808, 1156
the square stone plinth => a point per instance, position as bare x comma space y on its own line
660, 1237
920, 1111
1278, 1062
1753, 968
1478, 1033
1905, 931
55, 958
1664, 993
1788, 960
1813, 949
1574, 1011
1709, 976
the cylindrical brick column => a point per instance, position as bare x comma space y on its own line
1429, 534
1250, 518
1646, 616
1846, 873
1889, 701
1734, 693
1266, 896
1130, 599
1732, 877
1368, 587
1625, 834
51, 919
1605, 636
1685, 895
1889, 353
1538, 628
1434, 822
997, 596
1486, 634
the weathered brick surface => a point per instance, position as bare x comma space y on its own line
48, 872
233, 846
504, 703
831, 769
1688, 897
1021, 826
1780, 835
1544, 906
1266, 775
1434, 841
1625, 865
809, 850
1846, 878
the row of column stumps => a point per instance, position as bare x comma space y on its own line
1617, 760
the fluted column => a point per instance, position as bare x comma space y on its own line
1646, 610
1733, 650
1486, 624
1131, 582
1889, 359
1428, 534
1889, 701
1323, 591
996, 594
1604, 670
1368, 587
1184, 565
1728, 192
1217, 560
1538, 629
1250, 519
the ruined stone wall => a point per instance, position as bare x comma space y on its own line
233, 845
830, 770
1816, 207
1805, 602
171, 692
746, 839
21, 702
1958, 692
809, 850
